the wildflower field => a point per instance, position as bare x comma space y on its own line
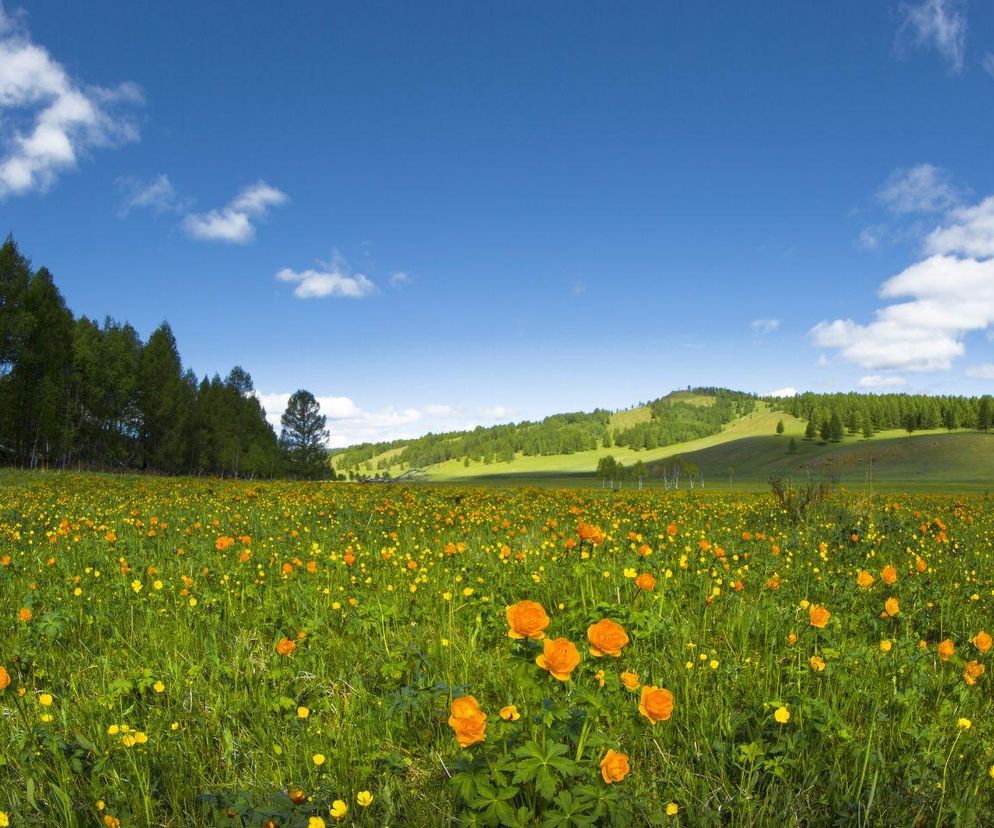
185, 652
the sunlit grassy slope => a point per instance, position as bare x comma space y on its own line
748, 450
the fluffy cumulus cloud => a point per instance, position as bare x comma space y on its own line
931, 306
48, 120
328, 279
935, 24
235, 222
349, 424
788, 391
765, 326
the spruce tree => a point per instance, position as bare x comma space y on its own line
303, 437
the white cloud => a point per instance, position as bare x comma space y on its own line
984, 371
789, 391
47, 119
399, 279
157, 195
235, 222
921, 189
765, 326
332, 279
349, 424
878, 381
969, 231
949, 296
939, 24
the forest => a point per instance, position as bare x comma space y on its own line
82, 394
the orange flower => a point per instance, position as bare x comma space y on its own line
4, 678
589, 532
656, 703
468, 721
818, 615
889, 574
982, 641
614, 766
297, 796
24, 614
606, 637
892, 607
646, 582
921, 565
559, 657
946, 649
671, 529
865, 579
972, 670
285, 646
223, 542
510, 713
630, 680
526, 619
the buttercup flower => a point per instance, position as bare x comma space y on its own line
606, 637
656, 703
614, 766
526, 619
468, 721
559, 657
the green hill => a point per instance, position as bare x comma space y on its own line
734, 450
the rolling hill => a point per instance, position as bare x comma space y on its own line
743, 453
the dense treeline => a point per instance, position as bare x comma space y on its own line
82, 394
830, 415
676, 421
672, 421
558, 434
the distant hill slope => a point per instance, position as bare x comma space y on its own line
742, 451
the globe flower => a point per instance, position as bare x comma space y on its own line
982, 641
865, 580
630, 680
946, 649
645, 582
817, 663
614, 766
526, 619
4, 678
818, 615
972, 671
892, 607
509, 713
285, 646
889, 574
606, 637
559, 657
656, 703
468, 721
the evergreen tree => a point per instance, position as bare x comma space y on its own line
811, 430
792, 446
303, 436
985, 413
835, 427
779, 427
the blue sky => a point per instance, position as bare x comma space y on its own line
434, 215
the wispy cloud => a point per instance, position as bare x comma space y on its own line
987, 62
334, 279
349, 424
967, 231
880, 381
235, 222
157, 195
63, 118
935, 24
921, 189
765, 326
984, 371
399, 279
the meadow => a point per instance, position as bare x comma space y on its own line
185, 651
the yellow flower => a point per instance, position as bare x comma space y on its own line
113, 730
4, 819
509, 713
964, 724
159, 687
817, 663
45, 700
303, 712
338, 810
364, 798
315, 822
885, 645
672, 809
318, 759
782, 715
